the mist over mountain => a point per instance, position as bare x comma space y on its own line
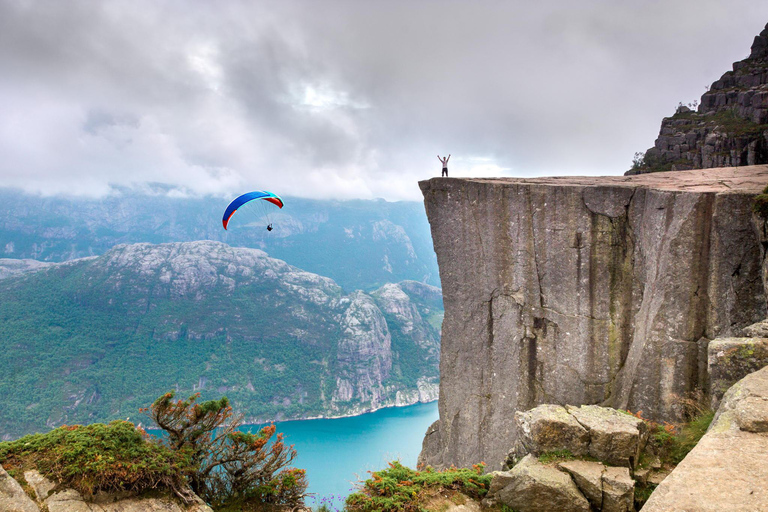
95, 339
360, 244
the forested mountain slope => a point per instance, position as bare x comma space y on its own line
98, 338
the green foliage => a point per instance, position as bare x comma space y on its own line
760, 204
638, 161
672, 443
82, 344
231, 470
642, 493
98, 457
401, 489
556, 456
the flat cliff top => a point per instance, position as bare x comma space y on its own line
750, 179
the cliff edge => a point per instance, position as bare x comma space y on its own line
584, 291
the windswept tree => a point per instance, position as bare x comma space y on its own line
230, 467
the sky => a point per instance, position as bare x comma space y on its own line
345, 99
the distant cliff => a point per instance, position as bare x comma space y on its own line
584, 291
95, 339
729, 128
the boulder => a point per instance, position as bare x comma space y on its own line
731, 359
549, 427
12, 496
615, 438
533, 487
756, 330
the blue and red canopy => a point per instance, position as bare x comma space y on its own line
250, 196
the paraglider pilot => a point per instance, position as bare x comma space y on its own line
269, 227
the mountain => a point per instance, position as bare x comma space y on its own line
95, 339
729, 128
359, 244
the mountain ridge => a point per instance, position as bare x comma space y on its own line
97, 338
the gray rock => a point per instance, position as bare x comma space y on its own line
731, 359
615, 438
547, 301
533, 487
550, 427
41, 485
588, 477
726, 471
69, 500
756, 330
12, 496
618, 490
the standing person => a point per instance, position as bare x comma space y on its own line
445, 164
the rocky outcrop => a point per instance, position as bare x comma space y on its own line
729, 128
584, 291
727, 469
10, 267
49, 498
731, 359
595, 447
534, 487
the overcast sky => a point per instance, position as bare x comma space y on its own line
346, 99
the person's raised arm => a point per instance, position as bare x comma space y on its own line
449, 157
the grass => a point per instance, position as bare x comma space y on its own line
556, 456
402, 489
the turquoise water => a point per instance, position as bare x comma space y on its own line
337, 453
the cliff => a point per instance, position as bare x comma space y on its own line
729, 127
584, 291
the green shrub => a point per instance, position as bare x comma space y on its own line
760, 204
399, 488
98, 457
232, 470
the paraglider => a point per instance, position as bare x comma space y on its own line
258, 195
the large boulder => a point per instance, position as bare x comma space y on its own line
727, 470
533, 487
12, 496
731, 359
615, 438
550, 427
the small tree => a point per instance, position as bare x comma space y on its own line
229, 467
638, 161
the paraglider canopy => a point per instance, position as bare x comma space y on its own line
250, 196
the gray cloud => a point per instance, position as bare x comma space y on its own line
345, 98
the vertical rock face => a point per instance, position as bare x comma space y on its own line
584, 291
